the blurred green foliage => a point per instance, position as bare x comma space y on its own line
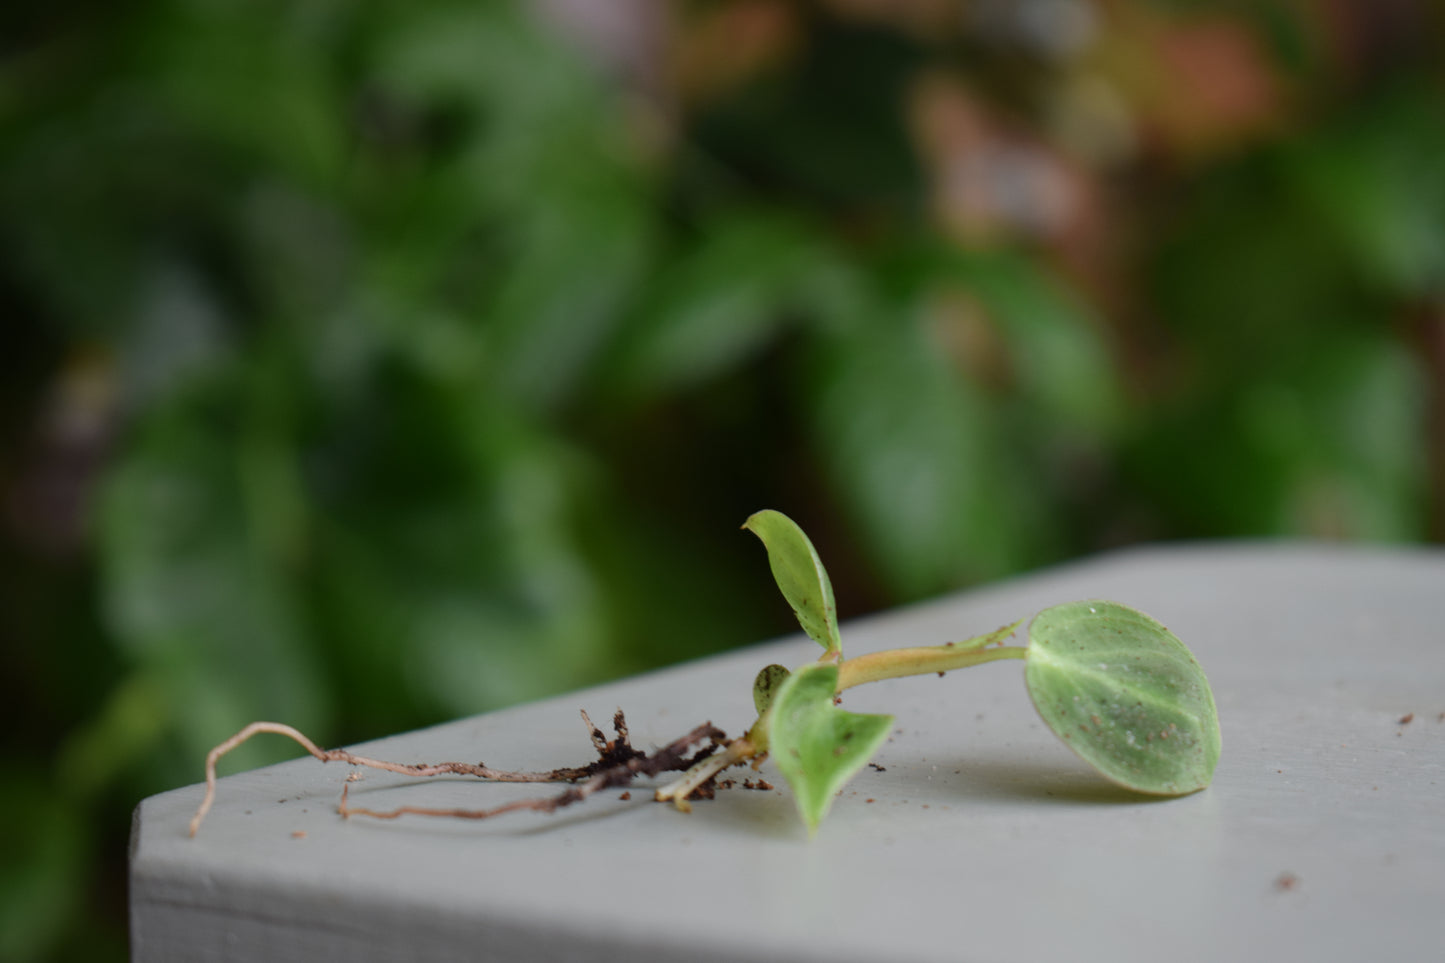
368, 364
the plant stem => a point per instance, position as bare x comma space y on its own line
873, 667
739, 750
895, 663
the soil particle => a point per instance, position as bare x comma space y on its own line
1286, 882
1407, 718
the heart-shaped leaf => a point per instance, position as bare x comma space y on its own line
800, 575
817, 746
1124, 694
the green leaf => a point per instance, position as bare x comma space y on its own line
800, 575
766, 685
1125, 695
1061, 364
198, 523
817, 746
717, 306
919, 458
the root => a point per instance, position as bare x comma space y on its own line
671, 757
614, 757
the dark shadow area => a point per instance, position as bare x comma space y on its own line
754, 814
768, 813
520, 823
1024, 780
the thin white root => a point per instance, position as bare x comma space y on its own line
341, 755
215, 754
680, 789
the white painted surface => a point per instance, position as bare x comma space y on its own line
985, 839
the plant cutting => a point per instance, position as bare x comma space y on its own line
1113, 684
